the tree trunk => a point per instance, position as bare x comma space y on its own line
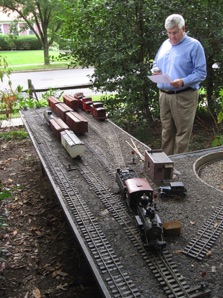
46, 54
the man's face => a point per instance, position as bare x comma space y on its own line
175, 34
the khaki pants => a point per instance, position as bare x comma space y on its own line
177, 113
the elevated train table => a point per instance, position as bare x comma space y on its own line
100, 219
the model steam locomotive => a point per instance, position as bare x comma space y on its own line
140, 197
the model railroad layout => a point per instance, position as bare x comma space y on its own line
99, 216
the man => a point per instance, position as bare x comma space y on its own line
183, 59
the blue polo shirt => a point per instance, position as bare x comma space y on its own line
185, 60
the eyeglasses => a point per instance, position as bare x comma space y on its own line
174, 33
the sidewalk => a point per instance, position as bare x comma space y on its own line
11, 122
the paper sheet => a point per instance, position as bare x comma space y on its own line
163, 79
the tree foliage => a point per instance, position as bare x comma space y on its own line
39, 12
120, 39
116, 38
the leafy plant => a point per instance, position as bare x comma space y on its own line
4, 69
15, 135
69, 57
4, 193
218, 141
7, 96
51, 92
24, 102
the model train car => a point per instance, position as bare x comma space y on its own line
62, 132
75, 102
139, 196
67, 122
96, 109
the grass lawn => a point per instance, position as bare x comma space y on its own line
30, 60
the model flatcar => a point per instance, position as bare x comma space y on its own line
140, 197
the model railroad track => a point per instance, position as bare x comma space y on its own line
175, 284
101, 157
108, 262
161, 263
199, 246
117, 279
109, 136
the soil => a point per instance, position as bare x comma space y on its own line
40, 255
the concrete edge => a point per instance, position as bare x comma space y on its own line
200, 162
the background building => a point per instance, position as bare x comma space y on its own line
9, 24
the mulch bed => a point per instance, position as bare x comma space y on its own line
40, 255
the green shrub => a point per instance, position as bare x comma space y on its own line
15, 42
28, 42
218, 141
5, 43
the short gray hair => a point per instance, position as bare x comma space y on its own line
174, 20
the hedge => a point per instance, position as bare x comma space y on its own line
15, 42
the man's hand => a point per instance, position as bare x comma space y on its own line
156, 71
178, 83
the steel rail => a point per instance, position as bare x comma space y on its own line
199, 246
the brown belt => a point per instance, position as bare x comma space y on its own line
177, 91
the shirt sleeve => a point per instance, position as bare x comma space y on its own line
199, 71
